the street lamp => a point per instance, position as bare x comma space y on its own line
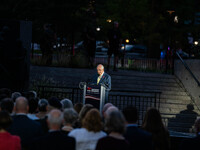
98, 29
109, 20
196, 43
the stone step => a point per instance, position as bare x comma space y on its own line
175, 102
181, 98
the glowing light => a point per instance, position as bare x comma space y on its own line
127, 40
98, 29
196, 42
109, 20
176, 19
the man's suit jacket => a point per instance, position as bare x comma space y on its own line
25, 128
55, 140
106, 80
190, 144
138, 138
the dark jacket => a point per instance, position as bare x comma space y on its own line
55, 140
138, 138
25, 128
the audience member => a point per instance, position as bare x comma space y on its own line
105, 107
137, 138
7, 141
4, 93
22, 126
70, 118
87, 136
33, 106
55, 139
84, 111
42, 107
153, 124
194, 143
7, 105
54, 103
110, 110
78, 107
115, 126
66, 103
15, 95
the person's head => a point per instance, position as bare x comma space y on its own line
92, 121
66, 103
152, 121
7, 104
5, 120
42, 105
109, 110
33, 105
197, 125
100, 69
15, 95
54, 103
105, 107
21, 105
70, 116
55, 119
116, 24
84, 111
115, 122
130, 114
78, 107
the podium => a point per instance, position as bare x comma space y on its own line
94, 95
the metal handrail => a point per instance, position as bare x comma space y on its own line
186, 66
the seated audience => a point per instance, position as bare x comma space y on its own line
105, 107
54, 139
66, 103
153, 123
83, 112
7, 141
70, 118
87, 136
42, 107
78, 107
22, 126
33, 106
193, 143
138, 139
15, 95
7, 104
115, 126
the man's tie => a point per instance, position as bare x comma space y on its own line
98, 79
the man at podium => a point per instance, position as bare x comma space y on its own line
102, 78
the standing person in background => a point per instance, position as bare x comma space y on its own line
115, 41
153, 124
90, 45
46, 44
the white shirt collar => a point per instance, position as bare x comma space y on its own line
101, 75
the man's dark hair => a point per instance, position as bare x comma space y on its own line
7, 104
5, 120
130, 114
33, 104
42, 105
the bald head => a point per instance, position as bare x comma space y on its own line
100, 69
21, 105
55, 119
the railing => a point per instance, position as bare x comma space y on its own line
142, 100
189, 70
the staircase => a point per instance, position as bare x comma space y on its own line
176, 113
